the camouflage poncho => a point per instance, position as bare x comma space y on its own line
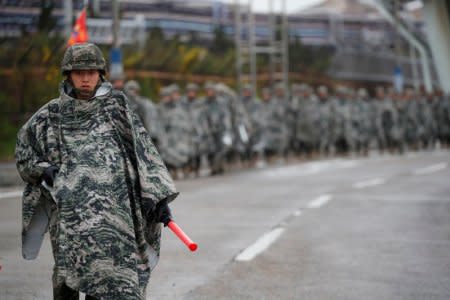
176, 143
110, 176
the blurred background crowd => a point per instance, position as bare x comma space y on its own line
215, 124
238, 83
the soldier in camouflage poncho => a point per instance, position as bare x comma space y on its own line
274, 130
144, 108
252, 107
106, 190
195, 107
220, 124
387, 122
325, 121
176, 142
306, 133
241, 124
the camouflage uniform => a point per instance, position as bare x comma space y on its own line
253, 109
239, 118
325, 121
306, 134
220, 133
388, 129
144, 108
195, 108
426, 121
176, 140
342, 130
274, 129
401, 106
285, 116
412, 129
360, 119
105, 242
442, 113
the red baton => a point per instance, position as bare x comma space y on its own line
182, 236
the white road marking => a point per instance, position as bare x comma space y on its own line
12, 194
260, 245
431, 169
310, 168
369, 183
319, 202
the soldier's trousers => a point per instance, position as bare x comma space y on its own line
63, 292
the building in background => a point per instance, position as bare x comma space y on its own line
367, 48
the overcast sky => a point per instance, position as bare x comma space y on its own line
291, 5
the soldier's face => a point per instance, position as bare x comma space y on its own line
85, 80
380, 95
266, 96
175, 96
210, 93
118, 84
192, 94
280, 93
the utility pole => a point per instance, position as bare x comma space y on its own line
116, 23
252, 52
285, 46
273, 29
68, 18
237, 41
116, 69
398, 76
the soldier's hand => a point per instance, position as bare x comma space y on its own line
49, 175
163, 213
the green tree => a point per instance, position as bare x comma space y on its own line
221, 42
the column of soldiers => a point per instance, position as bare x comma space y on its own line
222, 128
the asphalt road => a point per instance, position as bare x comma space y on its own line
348, 228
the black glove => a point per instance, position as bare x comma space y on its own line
49, 175
162, 213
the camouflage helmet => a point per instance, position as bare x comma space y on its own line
164, 91
279, 86
132, 85
174, 88
83, 57
209, 85
247, 87
362, 93
266, 90
192, 87
322, 89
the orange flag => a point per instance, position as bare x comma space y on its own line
79, 32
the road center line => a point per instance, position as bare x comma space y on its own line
369, 183
12, 194
319, 202
260, 245
431, 169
